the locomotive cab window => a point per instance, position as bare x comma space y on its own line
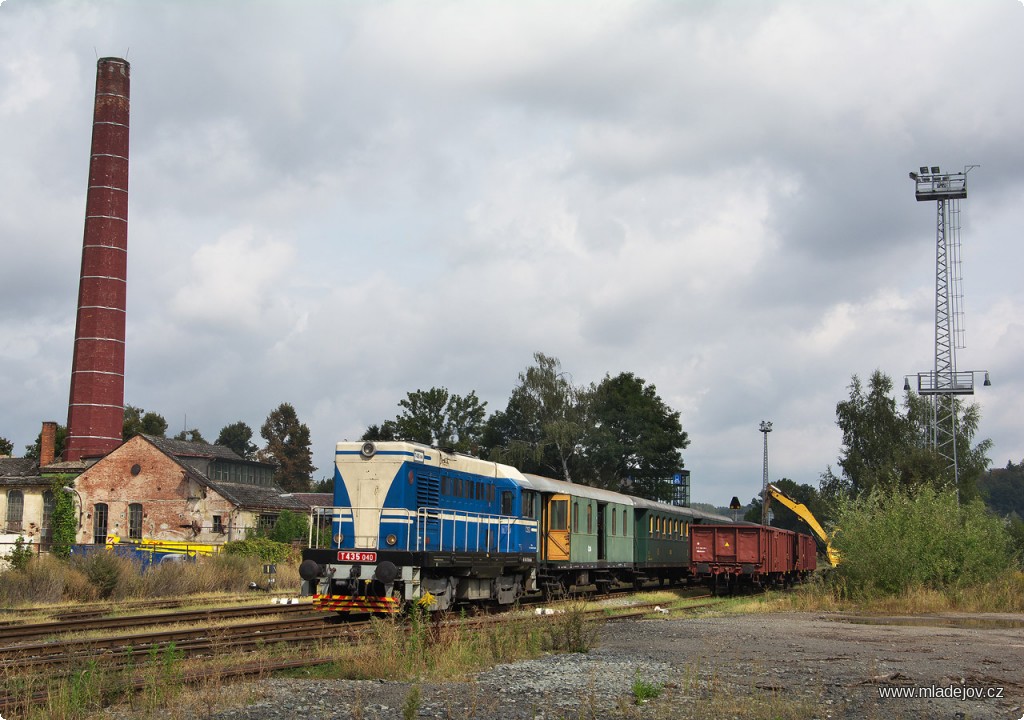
506, 502
529, 505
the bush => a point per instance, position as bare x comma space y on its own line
113, 575
265, 549
21, 554
45, 580
893, 541
290, 527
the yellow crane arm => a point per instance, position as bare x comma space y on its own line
807, 516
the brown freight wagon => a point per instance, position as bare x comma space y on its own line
728, 556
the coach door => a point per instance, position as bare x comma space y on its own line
557, 528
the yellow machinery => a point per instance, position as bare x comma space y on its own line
169, 547
807, 516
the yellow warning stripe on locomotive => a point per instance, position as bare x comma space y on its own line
347, 603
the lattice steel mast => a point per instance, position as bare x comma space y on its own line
944, 383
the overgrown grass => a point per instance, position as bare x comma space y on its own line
105, 575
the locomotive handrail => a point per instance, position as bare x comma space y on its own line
476, 529
484, 523
335, 513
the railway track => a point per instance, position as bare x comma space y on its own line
56, 652
12, 634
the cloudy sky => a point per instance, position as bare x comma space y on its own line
335, 203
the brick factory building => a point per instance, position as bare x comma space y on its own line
154, 488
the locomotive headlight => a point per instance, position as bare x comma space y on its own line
338, 538
391, 539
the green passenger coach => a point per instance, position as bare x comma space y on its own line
587, 536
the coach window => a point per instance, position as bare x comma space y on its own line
576, 516
99, 523
506, 502
590, 519
613, 521
135, 521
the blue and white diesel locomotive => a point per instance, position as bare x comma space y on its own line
412, 523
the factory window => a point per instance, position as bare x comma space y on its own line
218, 524
45, 531
99, 523
265, 523
135, 521
15, 510
590, 519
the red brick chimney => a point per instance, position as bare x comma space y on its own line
48, 444
96, 407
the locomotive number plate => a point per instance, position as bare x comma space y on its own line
360, 557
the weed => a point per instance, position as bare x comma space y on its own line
644, 690
571, 631
411, 706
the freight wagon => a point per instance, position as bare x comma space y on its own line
726, 557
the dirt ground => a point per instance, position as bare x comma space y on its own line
834, 665
760, 666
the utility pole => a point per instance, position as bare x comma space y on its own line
766, 427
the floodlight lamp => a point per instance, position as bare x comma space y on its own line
935, 170
914, 175
988, 380
923, 169
906, 384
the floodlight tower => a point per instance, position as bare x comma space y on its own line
765, 428
943, 383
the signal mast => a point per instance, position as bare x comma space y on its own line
943, 383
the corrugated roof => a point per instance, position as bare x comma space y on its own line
184, 448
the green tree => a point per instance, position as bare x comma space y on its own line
6, 446
192, 435
632, 438
238, 437
544, 424
288, 445
437, 417
886, 447
323, 485
139, 422
32, 451
384, 432
1003, 489
289, 527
